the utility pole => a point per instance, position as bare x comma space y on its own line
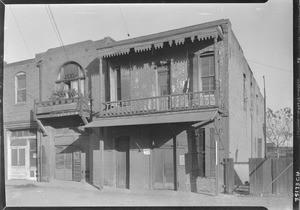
265, 121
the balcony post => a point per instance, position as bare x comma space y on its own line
217, 84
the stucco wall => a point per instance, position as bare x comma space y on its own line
245, 126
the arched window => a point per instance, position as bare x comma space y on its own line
20, 87
71, 78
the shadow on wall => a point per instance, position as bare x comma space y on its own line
78, 151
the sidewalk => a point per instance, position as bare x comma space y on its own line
64, 193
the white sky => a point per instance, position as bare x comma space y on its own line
264, 31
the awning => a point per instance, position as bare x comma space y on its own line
175, 117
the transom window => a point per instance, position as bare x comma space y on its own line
208, 72
71, 79
20, 90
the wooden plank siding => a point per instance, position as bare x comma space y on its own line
262, 172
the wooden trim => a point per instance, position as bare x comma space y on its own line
42, 127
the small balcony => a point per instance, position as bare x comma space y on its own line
62, 107
161, 104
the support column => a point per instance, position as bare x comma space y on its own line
217, 84
175, 162
97, 158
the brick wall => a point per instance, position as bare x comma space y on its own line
19, 112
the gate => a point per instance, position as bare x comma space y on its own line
271, 176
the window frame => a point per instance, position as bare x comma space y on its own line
213, 76
17, 89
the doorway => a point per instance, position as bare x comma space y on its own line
163, 167
68, 163
122, 149
164, 85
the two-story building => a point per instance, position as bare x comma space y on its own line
160, 111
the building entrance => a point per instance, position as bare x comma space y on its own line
122, 147
163, 167
68, 163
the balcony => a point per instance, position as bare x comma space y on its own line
161, 104
62, 107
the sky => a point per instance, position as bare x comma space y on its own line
264, 31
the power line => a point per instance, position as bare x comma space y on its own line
57, 31
277, 68
28, 51
48, 13
124, 22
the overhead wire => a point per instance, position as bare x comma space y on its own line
124, 22
49, 16
12, 12
277, 68
57, 30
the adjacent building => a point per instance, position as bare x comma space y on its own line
160, 111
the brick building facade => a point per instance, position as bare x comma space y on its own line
160, 111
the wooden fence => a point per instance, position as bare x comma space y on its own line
271, 176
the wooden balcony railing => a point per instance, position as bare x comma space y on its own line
167, 103
77, 104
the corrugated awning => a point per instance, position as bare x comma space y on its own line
154, 119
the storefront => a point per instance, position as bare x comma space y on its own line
22, 154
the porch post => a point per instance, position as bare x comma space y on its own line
216, 123
101, 85
217, 85
175, 162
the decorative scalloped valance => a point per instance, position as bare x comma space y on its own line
142, 48
158, 45
119, 52
177, 40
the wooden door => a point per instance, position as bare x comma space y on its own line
122, 147
198, 152
163, 167
64, 163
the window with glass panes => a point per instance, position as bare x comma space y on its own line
20, 87
208, 72
71, 77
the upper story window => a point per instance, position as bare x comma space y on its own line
70, 78
20, 86
208, 72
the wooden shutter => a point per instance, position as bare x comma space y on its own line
212, 152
